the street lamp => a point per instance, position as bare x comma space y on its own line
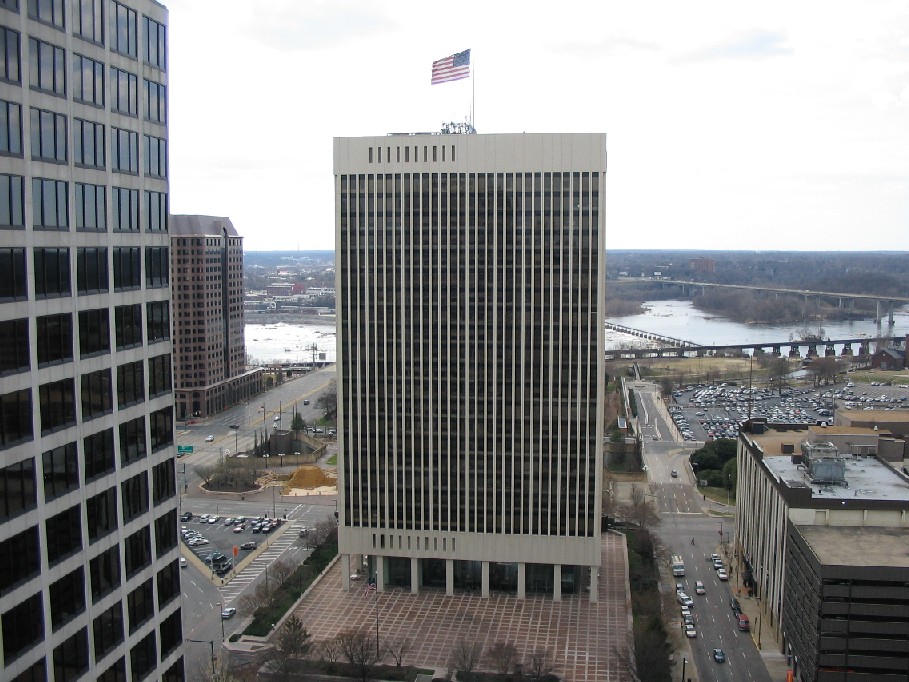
210, 642
220, 610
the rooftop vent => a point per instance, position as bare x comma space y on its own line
824, 464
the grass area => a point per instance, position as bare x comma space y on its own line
650, 635
717, 495
867, 376
696, 369
332, 461
286, 595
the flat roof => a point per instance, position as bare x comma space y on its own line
896, 416
867, 477
858, 546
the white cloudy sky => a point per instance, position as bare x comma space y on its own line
731, 125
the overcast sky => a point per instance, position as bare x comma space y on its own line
730, 125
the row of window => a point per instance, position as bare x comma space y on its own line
60, 471
23, 624
57, 399
57, 403
47, 73
87, 21
54, 336
49, 135
52, 271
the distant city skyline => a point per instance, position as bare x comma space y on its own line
772, 126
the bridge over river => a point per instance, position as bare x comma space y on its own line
679, 348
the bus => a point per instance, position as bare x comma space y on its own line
678, 565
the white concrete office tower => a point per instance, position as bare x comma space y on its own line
89, 576
470, 374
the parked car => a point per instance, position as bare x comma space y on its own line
229, 612
674, 473
248, 545
721, 574
209, 438
306, 402
186, 516
690, 632
736, 607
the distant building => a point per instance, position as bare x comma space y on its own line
470, 310
814, 476
895, 422
209, 337
702, 264
889, 359
280, 289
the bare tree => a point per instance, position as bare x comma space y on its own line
216, 670
465, 657
330, 651
501, 657
641, 511
252, 601
321, 532
205, 472
541, 663
281, 571
328, 401
398, 648
359, 648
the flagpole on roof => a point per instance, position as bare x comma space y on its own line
473, 96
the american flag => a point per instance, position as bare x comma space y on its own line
452, 68
369, 589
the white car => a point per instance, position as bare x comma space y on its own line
228, 613
690, 632
209, 438
182, 562
721, 574
699, 588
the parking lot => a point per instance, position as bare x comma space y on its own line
213, 538
707, 412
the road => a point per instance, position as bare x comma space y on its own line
203, 600
688, 531
251, 418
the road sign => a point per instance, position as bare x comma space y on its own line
184, 449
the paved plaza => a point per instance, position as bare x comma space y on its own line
587, 640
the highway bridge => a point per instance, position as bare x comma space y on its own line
884, 304
793, 348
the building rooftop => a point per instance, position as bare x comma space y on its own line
854, 546
183, 225
867, 478
882, 416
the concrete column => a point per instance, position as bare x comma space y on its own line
414, 575
557, 582
345, 572
877, 310
380, 573
449, 577
594, 584
522, 588
484, 579
890, 313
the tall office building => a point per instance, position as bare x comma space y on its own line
89, 574
209, 335
470, 281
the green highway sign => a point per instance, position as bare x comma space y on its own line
184, 449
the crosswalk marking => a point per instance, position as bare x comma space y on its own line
257, 566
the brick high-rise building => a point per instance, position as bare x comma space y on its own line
470, 299
209, 338
89, 572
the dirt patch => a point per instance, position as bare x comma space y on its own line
310, 478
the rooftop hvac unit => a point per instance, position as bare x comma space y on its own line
823, 463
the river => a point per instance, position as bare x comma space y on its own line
681, 320
283, 342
